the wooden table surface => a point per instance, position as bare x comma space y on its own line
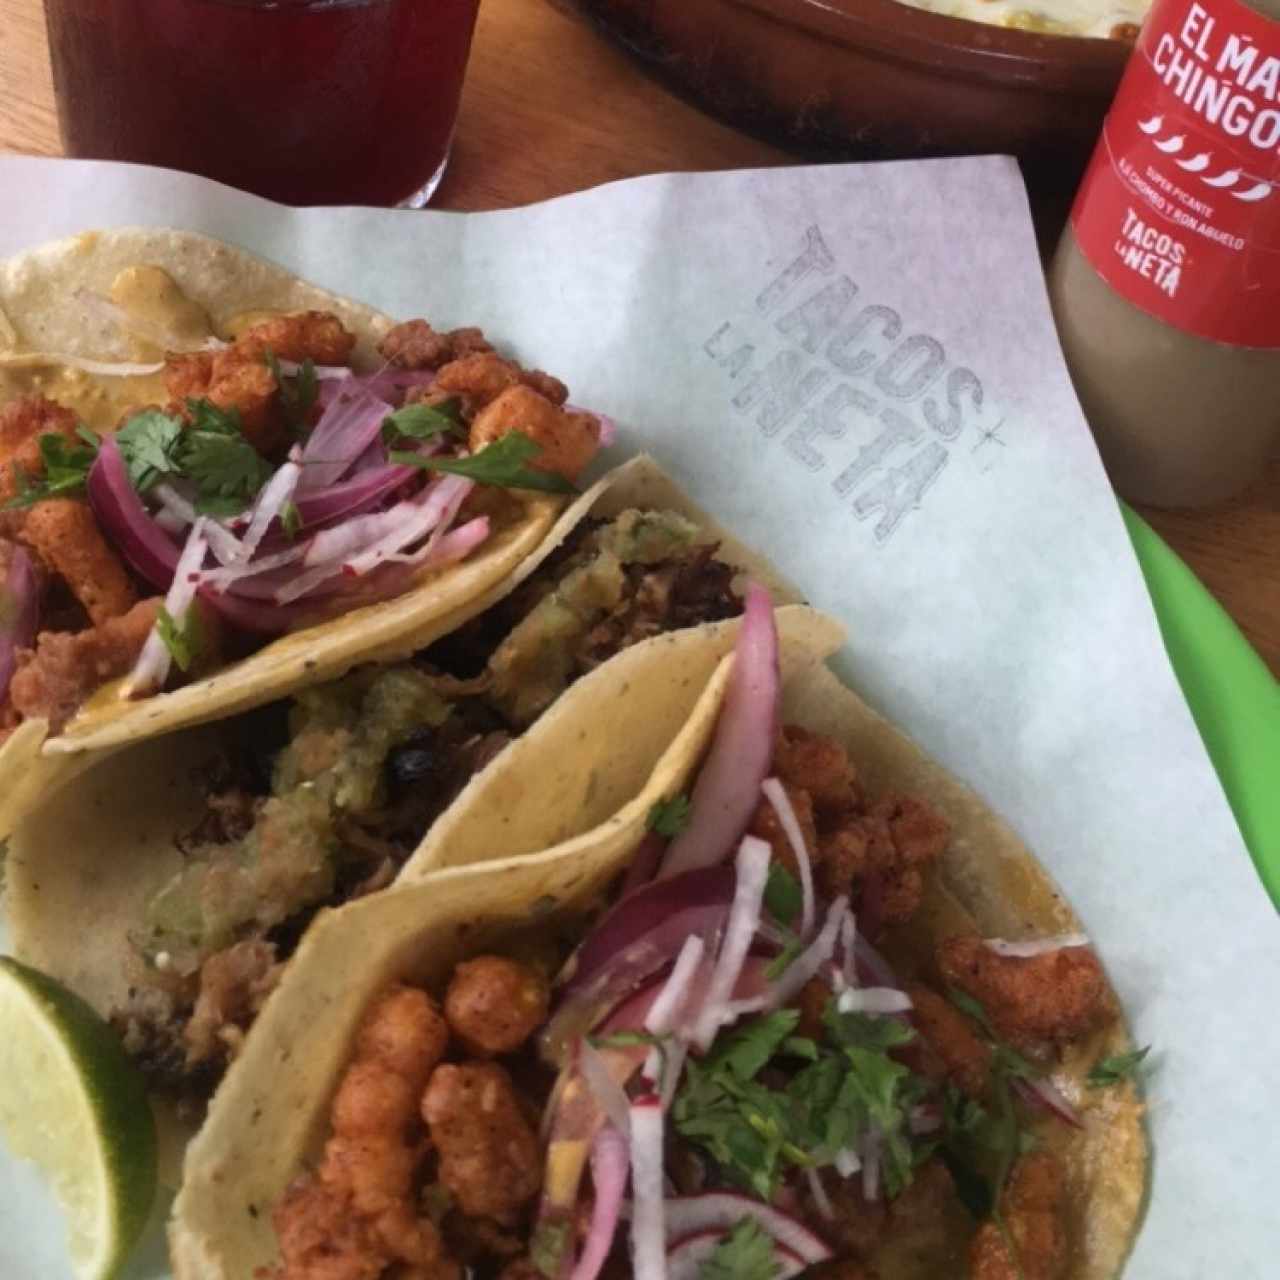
550, 108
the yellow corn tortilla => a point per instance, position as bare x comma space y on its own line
180, 289
269, 1119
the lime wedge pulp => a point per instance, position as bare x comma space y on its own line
71, 1102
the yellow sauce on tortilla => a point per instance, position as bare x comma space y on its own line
166, 318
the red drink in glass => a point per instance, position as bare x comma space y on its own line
304, 101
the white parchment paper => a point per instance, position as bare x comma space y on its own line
855, 367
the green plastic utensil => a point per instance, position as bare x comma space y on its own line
1233, 696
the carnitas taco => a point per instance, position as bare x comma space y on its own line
170, 884
218, 483
804, 1007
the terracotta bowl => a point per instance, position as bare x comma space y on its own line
873, 79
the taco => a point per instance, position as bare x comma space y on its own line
804, 1006
170, 884
219, 483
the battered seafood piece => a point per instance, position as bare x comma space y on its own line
1055, 997
494, 1005
489, 1157
1032, 1205
949, 1048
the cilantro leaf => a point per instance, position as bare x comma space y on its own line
1117, 1068
782, 894
744, 1050
217, 457
782, 961
746, 1253
297, 393
66, 468
501, 463
422, 421
290, 520
184, 637
150, 443
669, 817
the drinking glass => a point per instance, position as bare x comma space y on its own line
303, 101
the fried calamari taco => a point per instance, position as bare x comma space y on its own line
219, 483
802, 1007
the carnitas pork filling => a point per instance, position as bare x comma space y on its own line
321, 800
764, 1068
272, 486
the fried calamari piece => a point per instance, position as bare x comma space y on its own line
819, 765
766, 824
416, 345
481, 378
318, 336
928, 1227
920, 834
949, 1048
1032, 1204
321, 1239
858, 1225
406, 1031
55, 677
234, 984
22, 422
568, 441
494, 1005
1056, 997
489, 1158
66, 537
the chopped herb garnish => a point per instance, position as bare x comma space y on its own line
66, 468
547, 1248
1117, 1068
669, 817
782, 961
297, 393
501, 463
151, 443
783, 897
746, 1253
422, 421
184, 638
216, 455
290, 520
625, 1040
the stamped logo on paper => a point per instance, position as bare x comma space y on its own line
852, 390
1179, 211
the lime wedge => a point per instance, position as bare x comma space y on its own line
71, 1101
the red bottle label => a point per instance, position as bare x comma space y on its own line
1179, 211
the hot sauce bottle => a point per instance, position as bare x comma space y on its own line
1166, 284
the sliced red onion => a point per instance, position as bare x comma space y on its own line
608, 1092
275, 495
455, 545
224, 544
152, 666
353, 496
752, 866
323, 372
686, 1258
728, 786
821, 1201
634, 941
723, 1210
672, 1067
349, 423
847, 1162
849, 946
871, 1144
1044, 1094
1036, 946
644, 863
648, 1225
776, 794
873, 1000
148, 550
391, 384
20, 616
804, 967
434, 511
672, 999
259, 579
610, 1162
330, 547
